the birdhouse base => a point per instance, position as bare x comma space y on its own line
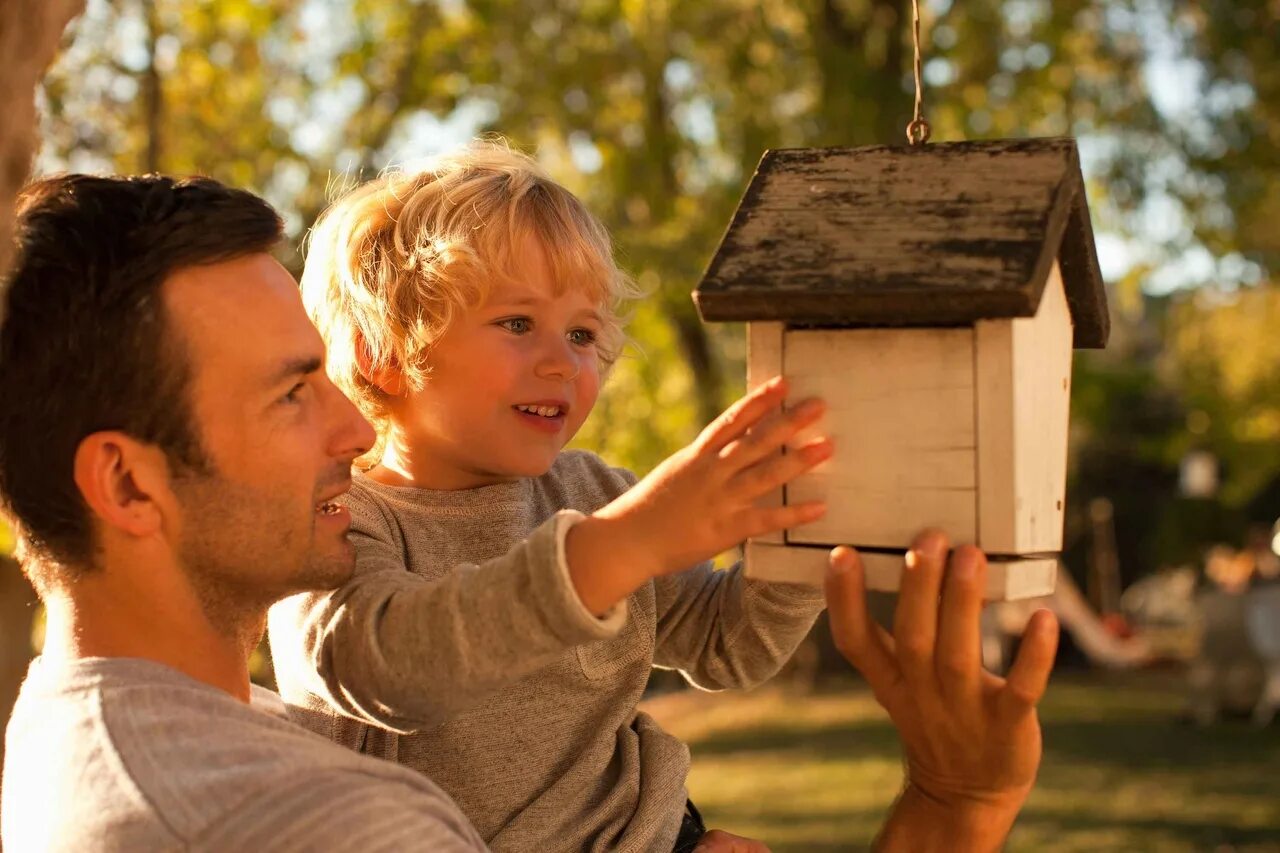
1008, 578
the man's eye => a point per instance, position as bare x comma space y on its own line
295, 393
582, 337
516, 325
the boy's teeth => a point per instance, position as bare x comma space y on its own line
544, 411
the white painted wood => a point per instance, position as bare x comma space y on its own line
764, 353
1023, 373
764, 361
1007, 580
900, 412
881, 519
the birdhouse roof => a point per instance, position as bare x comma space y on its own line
940, 234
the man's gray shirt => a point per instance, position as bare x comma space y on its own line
127, 754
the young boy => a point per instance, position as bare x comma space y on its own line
510, 598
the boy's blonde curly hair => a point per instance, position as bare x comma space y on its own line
392, 263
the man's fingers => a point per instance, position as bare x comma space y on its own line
1027, 678
915, 622
734, 422
958, 657
778, 470
719, 841
855, 633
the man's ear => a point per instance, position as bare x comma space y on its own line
123, 480
387, 378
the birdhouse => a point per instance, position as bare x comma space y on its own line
932, 295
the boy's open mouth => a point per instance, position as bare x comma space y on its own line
541, 410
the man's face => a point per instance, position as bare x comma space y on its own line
278, 435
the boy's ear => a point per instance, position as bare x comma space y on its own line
124, 481
388, 378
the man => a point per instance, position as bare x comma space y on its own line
170, 450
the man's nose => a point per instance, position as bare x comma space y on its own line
351, 433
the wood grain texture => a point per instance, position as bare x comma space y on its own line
1023, 371
1007, 580
888, 235
900, 411
764, 361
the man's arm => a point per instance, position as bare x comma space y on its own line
972, 739
343, 811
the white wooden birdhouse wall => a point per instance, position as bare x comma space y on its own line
932, 296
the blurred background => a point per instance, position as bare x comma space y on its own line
1159, 731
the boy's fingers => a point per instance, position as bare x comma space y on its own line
776, 471
734, 422
855, 633
1029, 675
915, 621
773, 432
758, 521
958, 658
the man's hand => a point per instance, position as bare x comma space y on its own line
700, 501
719, 841
972, 739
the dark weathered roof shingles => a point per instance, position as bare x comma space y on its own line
942, 234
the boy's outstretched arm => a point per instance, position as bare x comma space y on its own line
972, 739
700, 501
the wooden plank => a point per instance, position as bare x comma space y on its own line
764, 361
764, 353
871, 362
946, 469
893, 235
900, 411
910, 420
1007, 580
886, 519
1023, 370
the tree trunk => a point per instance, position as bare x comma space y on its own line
29, 33
17, 612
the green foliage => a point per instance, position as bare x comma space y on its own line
656, 113
1223, 351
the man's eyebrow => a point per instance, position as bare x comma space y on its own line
296, 367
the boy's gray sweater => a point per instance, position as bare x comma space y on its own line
479, 666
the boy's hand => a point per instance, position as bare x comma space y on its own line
972, 739
700, 501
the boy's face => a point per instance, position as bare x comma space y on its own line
511, 382
279, 436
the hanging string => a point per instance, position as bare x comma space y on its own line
918, 130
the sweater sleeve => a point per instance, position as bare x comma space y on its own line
405, 653
723, 629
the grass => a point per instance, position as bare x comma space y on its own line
1121, 772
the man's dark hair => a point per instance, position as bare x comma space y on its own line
85, 341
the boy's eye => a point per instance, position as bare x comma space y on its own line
516, 325
582, 337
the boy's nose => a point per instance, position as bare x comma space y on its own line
558, 360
